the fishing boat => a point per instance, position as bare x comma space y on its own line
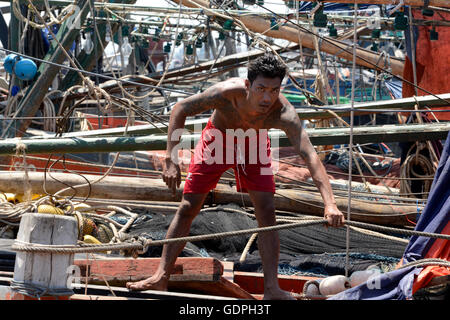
86, 91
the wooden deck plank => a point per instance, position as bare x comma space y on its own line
254, 282
191, 274
121, 270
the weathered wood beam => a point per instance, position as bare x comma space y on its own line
34, 96
321, 136
135, 188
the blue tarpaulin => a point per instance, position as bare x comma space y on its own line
398, 284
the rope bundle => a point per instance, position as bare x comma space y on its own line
409, 169
66, 12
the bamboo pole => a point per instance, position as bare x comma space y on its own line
257, 24
320, 136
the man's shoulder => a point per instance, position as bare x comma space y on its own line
231, 87
284, 115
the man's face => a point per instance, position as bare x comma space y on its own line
263, 93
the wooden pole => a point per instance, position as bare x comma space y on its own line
126, 188
318, 137
43, 274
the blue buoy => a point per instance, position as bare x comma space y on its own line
10, 61
25, 69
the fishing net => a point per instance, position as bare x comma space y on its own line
312, 249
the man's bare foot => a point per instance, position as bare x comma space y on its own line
152, 283
278, 295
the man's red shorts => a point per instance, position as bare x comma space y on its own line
217, 152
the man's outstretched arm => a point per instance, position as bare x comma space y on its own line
291, 124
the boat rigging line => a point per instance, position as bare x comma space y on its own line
346, 50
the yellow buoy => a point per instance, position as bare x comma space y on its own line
21, 197
90, 239
46, 208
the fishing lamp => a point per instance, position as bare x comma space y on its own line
167, 47
434, 35
374, 46
87, 44
333, 31
273, 24
198, 42
221, 36
189, 50
427, 11
320, 19
400, 21
291, 4
376, 33
179, 38
227, 24
156, 35
261, 2
125, 31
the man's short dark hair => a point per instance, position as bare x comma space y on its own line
268, 66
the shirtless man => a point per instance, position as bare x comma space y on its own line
253, 103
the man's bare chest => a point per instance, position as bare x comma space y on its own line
240, 117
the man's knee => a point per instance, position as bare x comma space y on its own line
190, 205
